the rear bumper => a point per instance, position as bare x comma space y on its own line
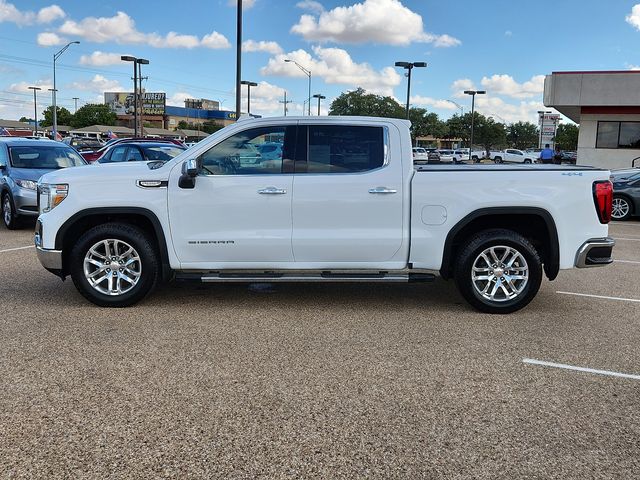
595, 252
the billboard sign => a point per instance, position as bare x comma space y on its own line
121, 103
548, 125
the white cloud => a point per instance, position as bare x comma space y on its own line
432, 102
335, 66
246, 4
98, 84
265, 99
50, 13
121, 29
489, 105
10, 13
261, 46
215, 40
634, 17
377, 21
49, 39
506, 85
311, 6
101, 59
178, 98
630, 66
23, 87
508, 33
459, 86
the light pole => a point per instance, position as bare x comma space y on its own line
129, 58
249, 85
75, 102
541, 114
408, 66
55, 109
459, 106
238, 57
35, 107
53, 96
308, 74
473, 94
319, 97
140, 62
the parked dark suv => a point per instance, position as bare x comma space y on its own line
22, 163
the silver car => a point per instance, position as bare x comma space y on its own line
22, 163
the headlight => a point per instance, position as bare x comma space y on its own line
28, 184
51, 195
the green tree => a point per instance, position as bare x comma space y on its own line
93, 114
64, 116
424, 124
487, 132
182, 125
567, 136
25, 119
359, 102
522, 135
210, 127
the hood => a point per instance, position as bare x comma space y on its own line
33, 174
105, 172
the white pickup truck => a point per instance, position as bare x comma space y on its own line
344, 203
511, 155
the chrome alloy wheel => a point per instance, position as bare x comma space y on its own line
619, 208
112, 267
7, 213
500, 273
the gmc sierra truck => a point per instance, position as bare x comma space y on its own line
342, 203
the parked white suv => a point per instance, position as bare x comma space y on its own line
344, 203
511, 155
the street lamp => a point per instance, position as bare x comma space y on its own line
35, 107
319, 97
238, 55
55, 109
541, 114
53, 96
75, 102
136, 62
473, 94
459, 106
408, 66
140, 62
308, 73
249, 85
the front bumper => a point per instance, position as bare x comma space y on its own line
595, 252
50, 259
26, 202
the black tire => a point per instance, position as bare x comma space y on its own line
472, 249
9, 217
526, 160
498, 160
136, 238
622, 200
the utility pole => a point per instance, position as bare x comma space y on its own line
75, 102
238, 57
53, 99
35, 107
319, 97
285, 102
140, 62
408, 66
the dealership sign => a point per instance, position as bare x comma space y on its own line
548, 126
122, 103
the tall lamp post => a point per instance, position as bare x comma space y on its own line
319, 97
55, 109
35, 107
238, 56
457, 105
541, 114
307, 72
53, 96
249, 85
136, 63
408, 66
140, 62
473, 94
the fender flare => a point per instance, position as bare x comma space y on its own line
551, 266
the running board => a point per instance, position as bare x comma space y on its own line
335, 277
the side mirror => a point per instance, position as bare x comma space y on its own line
190, 170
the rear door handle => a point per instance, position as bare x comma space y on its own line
382, 190
272, 191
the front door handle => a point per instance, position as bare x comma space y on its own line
272, 191
382, 190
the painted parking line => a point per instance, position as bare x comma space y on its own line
625, 224
16, 248
564, 366
627, 239
603, 297
627, 261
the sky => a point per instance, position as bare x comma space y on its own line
505, 47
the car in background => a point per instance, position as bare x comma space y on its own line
568, 157
512, 155
270, 150
446, 155
94, 156
83, 144
141, 151
420, 154
626, 193
22, 163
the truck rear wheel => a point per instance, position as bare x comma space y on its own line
498, 271
114, 265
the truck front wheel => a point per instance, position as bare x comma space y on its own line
498, 271
114, 265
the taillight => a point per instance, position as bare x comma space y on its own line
603, 198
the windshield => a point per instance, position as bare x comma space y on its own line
162, 152
45, 157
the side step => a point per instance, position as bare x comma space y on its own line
334, 277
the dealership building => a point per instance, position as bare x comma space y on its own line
606, 104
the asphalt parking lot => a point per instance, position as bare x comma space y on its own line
319, 381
